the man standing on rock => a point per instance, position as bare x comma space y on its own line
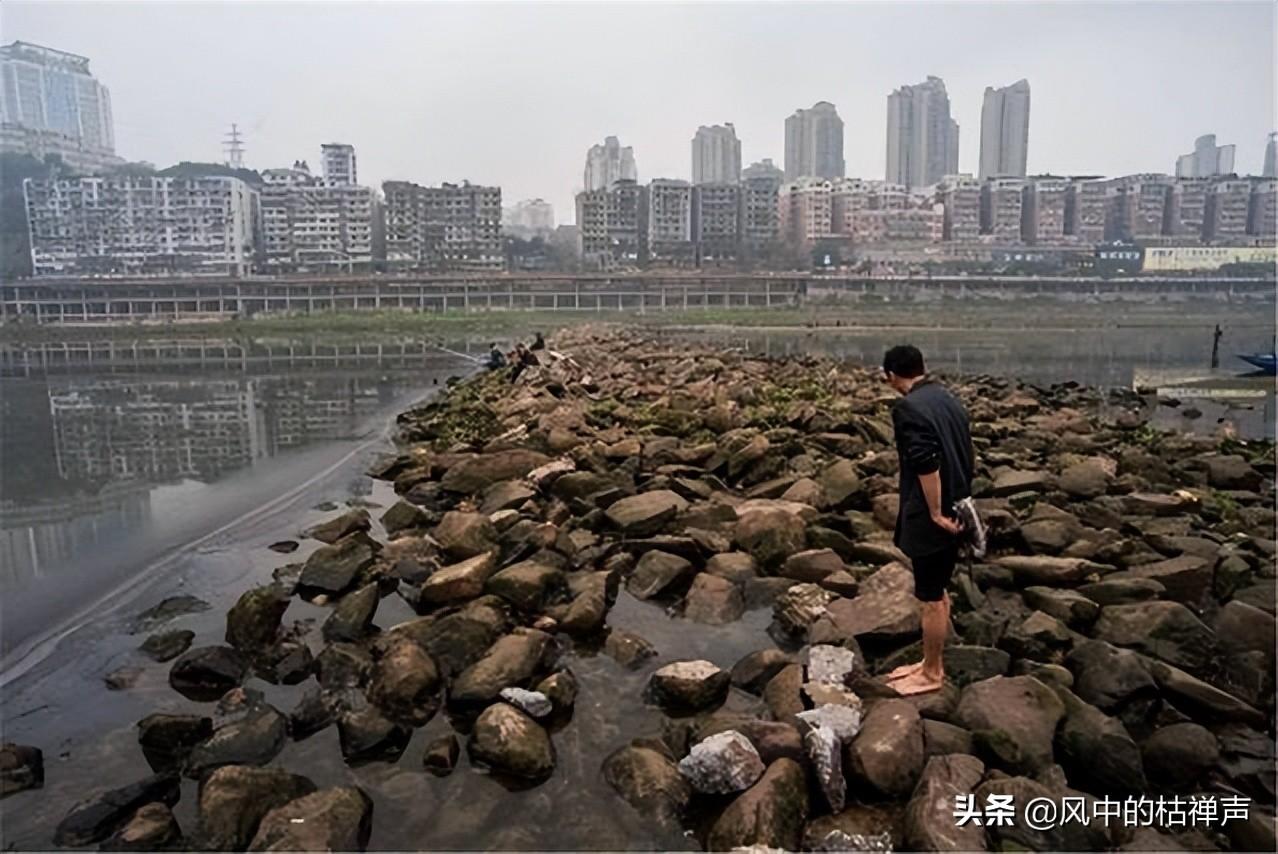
934, 445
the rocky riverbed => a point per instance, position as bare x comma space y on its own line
1118, 640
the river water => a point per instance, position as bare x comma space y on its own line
136, 472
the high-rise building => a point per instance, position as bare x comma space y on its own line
876, 212
1001, 202
960, 198
140, 224
1207, 159
760, 186
1005, 130
716, 221
716, 155
608, 222
339, 163
1137, 206
1185, 212
445, 228
609, 163
806, 210
814, 143
922, 139
1226, 213
309, 223
668, 222
1262, 211
1043, 211
1085, 209
50, 103
530, 216
1270, 169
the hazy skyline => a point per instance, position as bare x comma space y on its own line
515, 93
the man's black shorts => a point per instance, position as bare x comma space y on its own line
932, 573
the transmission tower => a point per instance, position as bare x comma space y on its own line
233, 145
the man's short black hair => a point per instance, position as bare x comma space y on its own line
904, 360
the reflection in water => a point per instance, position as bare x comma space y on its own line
112, 453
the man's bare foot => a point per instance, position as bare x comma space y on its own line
918, 683
905, 670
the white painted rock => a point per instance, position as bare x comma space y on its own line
532, 703
844, 721
830, 664
725, 762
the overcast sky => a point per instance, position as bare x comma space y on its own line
514, 93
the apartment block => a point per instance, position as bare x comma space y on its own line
668, 223
760, 188
1262, 212
452, 227
1001, 201
1085, 210
1206, 160
314, 224
814, 143
716, 221
1186, 209
872, 212
1137, 206
716, 155
338, 161
608, 226
1225, 215
960, 198
1043, 212
609, 163
922, 138
530, 218
140, 225
806, 210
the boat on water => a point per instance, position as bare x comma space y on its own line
1266, 362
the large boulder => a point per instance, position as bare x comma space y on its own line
1028, 570
888, 752
885, 610
459, 581
689, 685
1087, 479
1206, 702
649, 781
21, 767
253, 738
757, 668
98, 816
800, 606
1109, 677
332, 569
464, 535
1164, 630
770, 534
336, 819
722, 763
1070, 607
351, 522
512, 661
253, 622
477, 473
737, 567
656, 572
151, 828
167, 740
1245, 628
770, 814
234, 799
1096, 750
1230, 471
1186, 578
929, 815
352, 616
1177, 756
1011, 482
207, 672
1012, 720
812, 565
528, 584
646, 513
713, 600
509, 741
406, 684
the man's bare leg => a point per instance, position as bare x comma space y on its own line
910, 669
931, 674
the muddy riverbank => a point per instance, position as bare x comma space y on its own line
680, 557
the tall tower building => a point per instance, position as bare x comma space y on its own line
339, 163
609, 163
50, 103
1005, 130
922, 139
814, 143
1270, 169
716, 155
1207, 159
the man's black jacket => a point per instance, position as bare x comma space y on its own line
931, 435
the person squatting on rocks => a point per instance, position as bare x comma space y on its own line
496, 358
539, 343
521, 358
936, 465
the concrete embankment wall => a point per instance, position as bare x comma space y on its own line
105, 301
